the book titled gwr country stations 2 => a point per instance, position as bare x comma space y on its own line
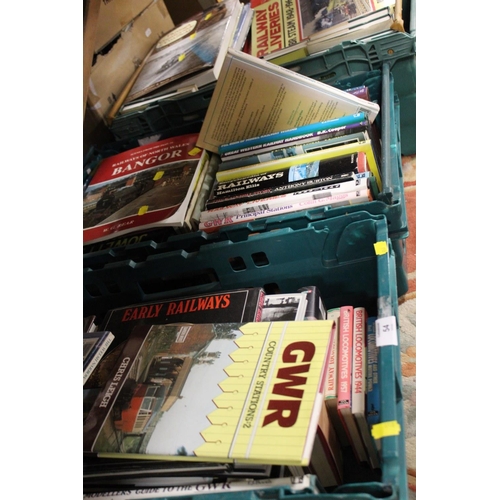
248, 392
146, 187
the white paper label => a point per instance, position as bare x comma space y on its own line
386, 331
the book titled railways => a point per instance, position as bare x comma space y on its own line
248, 392
145, 187
254, 97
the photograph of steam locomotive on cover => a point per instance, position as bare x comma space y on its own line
188, 49
145, 187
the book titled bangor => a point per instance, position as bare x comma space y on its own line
250, 392
146, 187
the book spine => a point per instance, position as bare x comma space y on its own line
349, 198
372, 382
358, 360
288, 179
94, 358
289, 146
333, 152
277, 138
315, 309
344, 405
268, 203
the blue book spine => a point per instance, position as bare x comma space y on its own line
247, 144
372, 382
323, 140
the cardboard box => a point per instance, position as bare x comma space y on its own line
114, 16
112, 71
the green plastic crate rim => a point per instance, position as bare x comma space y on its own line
341, 256
341, 63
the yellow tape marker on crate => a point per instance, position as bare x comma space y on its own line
142, 210
380, 247
385, 429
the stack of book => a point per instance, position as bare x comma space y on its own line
183, 398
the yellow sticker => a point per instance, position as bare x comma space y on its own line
181, 57
208, 16
142, 210
193, 36
158, 175
194, 151
380, 247
385, 429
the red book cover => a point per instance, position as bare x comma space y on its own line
344, 405
146, 187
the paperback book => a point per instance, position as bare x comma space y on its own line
287, 137
146, 187
269, 374
195, 47
345, 386
326, 192
338, 151
350, 133
335, 200
254, 97
95, 345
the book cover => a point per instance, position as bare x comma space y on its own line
287, 137
286, 180
95, 345
343, 135
146, 187
197, 46
345, 389
284, 307
248, 392
336, 200
331, 382
254, 97
315, 309
323, 154
358, 404
372, 382
232, 306
327, 191
339, 16
286, 486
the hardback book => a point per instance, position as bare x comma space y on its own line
372, 381
146, 187
332, 377
247, 392
350, 133
379, 22
303, 134
359, 385
254, 97
315, 309
344, 384
95, 345
284, 307
195, 48
327, 191
358, 196
232, 306
341, 17
295, 178
337, 151
304, 486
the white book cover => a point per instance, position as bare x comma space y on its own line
253, 97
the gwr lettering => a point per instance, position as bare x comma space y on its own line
286, 412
